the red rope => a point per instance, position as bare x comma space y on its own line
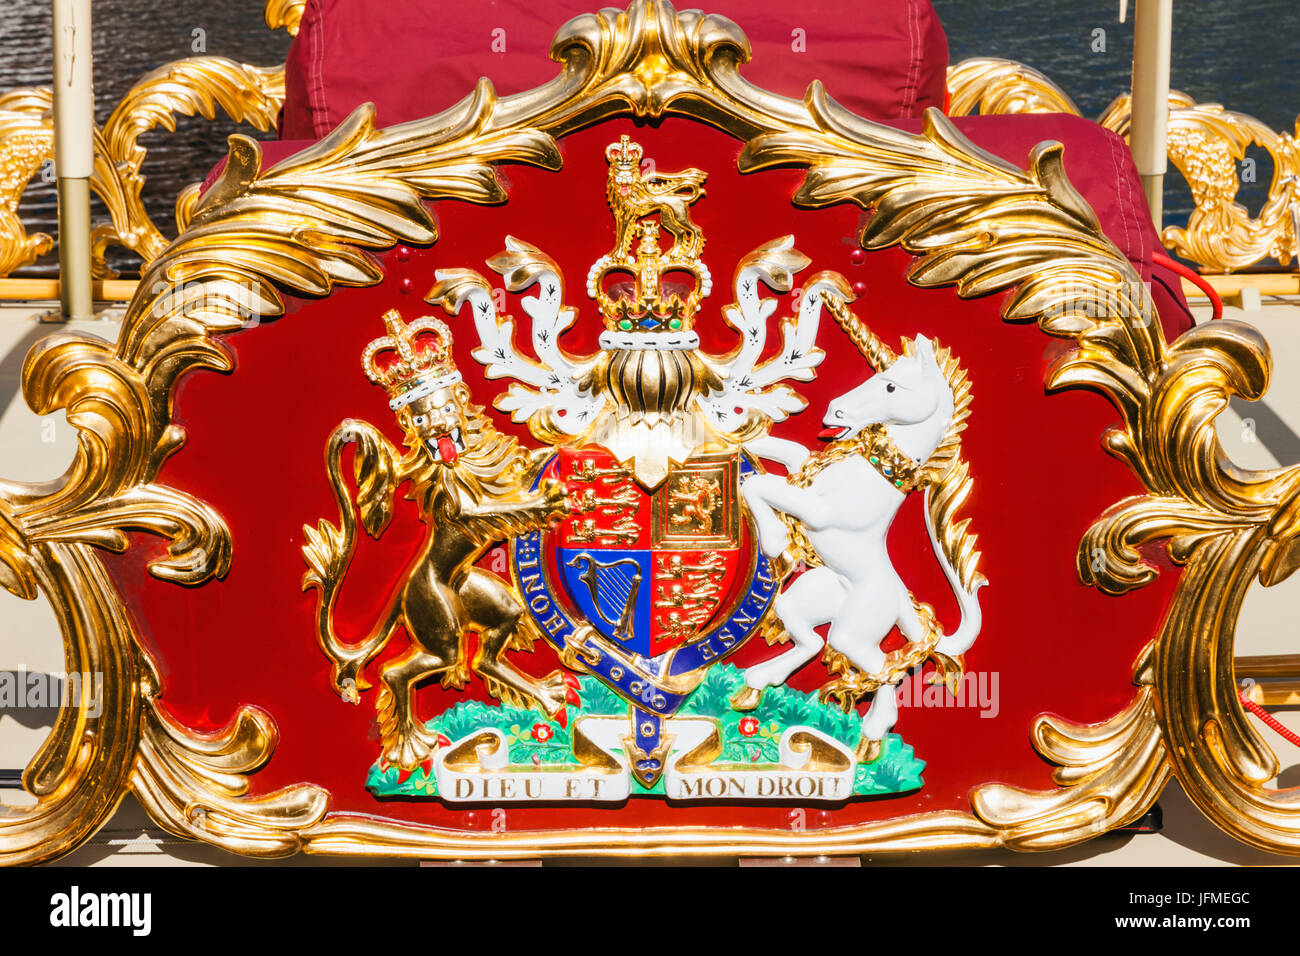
1195, 278
1268, 718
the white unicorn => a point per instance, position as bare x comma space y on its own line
844, 505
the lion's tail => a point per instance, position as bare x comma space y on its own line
955, 550
328, 549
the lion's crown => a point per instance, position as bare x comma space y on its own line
411, 361
624, 153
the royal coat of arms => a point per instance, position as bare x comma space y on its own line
648, 538
612, 556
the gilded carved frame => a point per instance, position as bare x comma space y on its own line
1002, 228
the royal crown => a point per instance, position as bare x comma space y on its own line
411, 361
648, 296
624, 153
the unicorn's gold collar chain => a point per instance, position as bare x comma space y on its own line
874, 444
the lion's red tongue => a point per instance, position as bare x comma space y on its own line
447, 449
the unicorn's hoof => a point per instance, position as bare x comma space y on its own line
867, 750
783, 564
747, 698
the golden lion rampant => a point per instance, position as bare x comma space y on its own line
469, 482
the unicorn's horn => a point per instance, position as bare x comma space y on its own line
878, 355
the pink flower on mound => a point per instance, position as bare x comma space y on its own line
542, 733
749, 726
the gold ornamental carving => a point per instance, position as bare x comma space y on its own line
26, 144
1207, 145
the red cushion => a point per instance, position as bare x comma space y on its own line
884, 59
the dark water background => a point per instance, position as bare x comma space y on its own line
1242, 53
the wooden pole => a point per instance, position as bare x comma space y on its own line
74, 117
1149, 130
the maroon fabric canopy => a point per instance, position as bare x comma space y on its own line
414, 58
